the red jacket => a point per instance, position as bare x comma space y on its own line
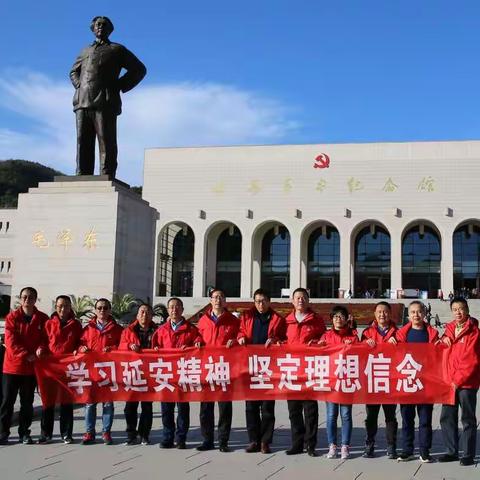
373, 333
220, 332
97, 340
311, 328
463, 363
335, 337
276, 327
63, 339
130, 336
402, 333
22, 339
186, 335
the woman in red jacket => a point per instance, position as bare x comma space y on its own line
25, 340
63, 333
341, 333
102, 334
176, 332
136, 337
381, 330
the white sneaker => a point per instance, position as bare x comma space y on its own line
345, 452
332, 451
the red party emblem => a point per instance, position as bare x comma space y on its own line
322, 161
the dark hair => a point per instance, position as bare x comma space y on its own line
301, 290
459, 300
31, 290
215, 289
261, 291
107, 21
418, 302
149, 307
385, 304
63, 297
339, 309
105, 300
179, 300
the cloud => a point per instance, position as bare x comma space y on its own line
187, 114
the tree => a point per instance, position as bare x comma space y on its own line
82, 307
122, 306
160, 310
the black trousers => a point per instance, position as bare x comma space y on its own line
207, 421
168, 421
260, 415
304, 430
466, 399
391, 424
145, 422
101, 124
12, 385
66, 420
424, 427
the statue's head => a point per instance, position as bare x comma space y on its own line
102, 27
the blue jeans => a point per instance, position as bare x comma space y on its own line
91, 416
332, 415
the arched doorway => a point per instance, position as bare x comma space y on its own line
466, 260
421, 257
229, 261
323, 262
372, 262
275, 260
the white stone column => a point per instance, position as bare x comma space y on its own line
395, 260
346, 280
446, 265
199, 262
246, 289
295, 247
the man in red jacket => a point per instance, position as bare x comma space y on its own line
381, 330
176, 332
304, 327
463, 337
102, 334
63, 333
217, 327
25, 340
136, 337
260, 326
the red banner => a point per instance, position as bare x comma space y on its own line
349, 374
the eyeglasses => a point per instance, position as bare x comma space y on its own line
217, 297
103, 308
28, 297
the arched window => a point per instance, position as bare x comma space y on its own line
466, 260
275, 272
372, 262
229, 260
323, 268
421, 256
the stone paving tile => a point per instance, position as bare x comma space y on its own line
59, 461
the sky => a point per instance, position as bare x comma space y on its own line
245, 72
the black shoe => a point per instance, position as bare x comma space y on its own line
205, 446
294, 451
392, 453
181, 445
131, 441
311, 452
26, 440
67, 440
447, 457
406, 457
467, 461
253, 447
44, 439
145, 441
224, 448
4, 440
369, 449
166, 445
425, 457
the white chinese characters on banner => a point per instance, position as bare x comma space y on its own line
409, 367
347, 373
378, 373
260, 373
190, 374
318, 371
162, 374
109, 378
133, 378
288, 372
80, 376
218, 373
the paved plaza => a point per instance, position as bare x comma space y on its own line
60, 461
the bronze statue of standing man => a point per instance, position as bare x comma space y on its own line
96, 103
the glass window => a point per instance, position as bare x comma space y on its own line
229, 258
275, 273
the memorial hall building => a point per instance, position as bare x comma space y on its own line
377, 219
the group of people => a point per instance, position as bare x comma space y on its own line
30, 334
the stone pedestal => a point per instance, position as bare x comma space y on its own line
84, 236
